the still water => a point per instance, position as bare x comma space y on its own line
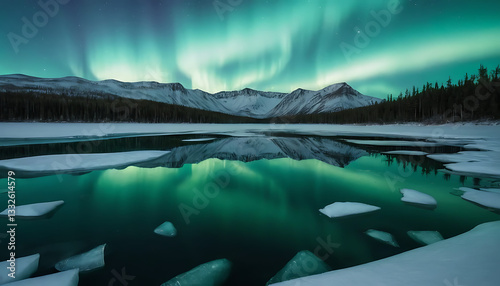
253, 201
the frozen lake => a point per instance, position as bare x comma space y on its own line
247, 193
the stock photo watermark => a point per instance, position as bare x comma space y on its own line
371, 30
225, 6
31, 26
120, 278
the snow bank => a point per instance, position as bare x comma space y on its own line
25, 267
34, 210
425, 237
212, 273
87, 261
166, 229
469, 259
302, 264
66, 278
416, 197
80, 162
340, 209
382, 236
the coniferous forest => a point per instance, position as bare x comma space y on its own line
475, 97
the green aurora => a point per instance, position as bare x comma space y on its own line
378, 47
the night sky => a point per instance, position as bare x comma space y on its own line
377, 46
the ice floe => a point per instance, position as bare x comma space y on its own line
304, 263
213, 273
406, 152
382, 236
340, 209
484, 198
417, 198
425, 237
198, 139
447, 262
394, 143
87, 261
66, 278
471, 162
491, 190
166, 229
24, 267
79, 162
34, 210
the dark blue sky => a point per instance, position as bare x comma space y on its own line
378, 46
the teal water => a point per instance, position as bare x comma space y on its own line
256, 214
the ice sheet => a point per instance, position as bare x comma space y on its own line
487, 199
447, 262
340, 209
24, 268
425, 237
213, 273
34, 210
66, 278
87, 261
304, 263
406, 152
79, 162
166, 229
416, 197
382, 236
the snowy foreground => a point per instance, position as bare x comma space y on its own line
485, 138
471, 258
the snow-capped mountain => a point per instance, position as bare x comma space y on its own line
335, 97
246, 102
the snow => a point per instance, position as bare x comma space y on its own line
166, 229
468, 259
87, 261
425, 237
416, 197
486, 199
406, 152
79, 162
246, 102
302, 264
34, 210
382, 236
66, 278
340, 209
210, 273
24, 268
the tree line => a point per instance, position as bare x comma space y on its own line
53, 107
471, 98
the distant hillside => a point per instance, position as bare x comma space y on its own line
246, 102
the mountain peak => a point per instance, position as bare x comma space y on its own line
177, 86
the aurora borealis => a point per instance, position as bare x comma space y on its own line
276, 45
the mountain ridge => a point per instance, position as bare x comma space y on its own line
246, 102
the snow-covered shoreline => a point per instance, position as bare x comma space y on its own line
471, 258
468, 136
